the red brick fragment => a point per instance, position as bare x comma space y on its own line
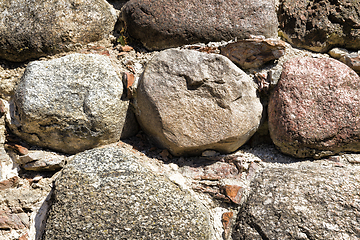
233, 192
24, 237
226, 221
126, 48
18, 148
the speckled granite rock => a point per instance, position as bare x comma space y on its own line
30, 29
190, 102
161, 24
69, 104
302, 201
105, 194
314, 110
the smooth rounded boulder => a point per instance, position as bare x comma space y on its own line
31, 29
161, 24
69, 104
314, 110
189, 102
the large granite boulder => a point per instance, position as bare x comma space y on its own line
302, 201
106, 194
37, 28
161, 24
189, 101
69, 104
320, 25
315, 108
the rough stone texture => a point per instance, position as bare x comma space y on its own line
338, 53
23, 207
253, 53
320, 25
103, 193
190, 102
161, 24
314, 110
302, 201
42, 161
69, 104
353, 61
37, 28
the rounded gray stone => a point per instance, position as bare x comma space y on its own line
69, 104
106, 194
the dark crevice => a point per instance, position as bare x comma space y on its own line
191, 83
258, 229
307, 233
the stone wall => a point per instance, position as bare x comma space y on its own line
154, 119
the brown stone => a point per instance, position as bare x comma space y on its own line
253, 53
189, 102
15, 221
315, 108
9, 183
161, 24
126, 48
320, 25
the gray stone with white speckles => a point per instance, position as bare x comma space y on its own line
308, 200
69, 104
106, 194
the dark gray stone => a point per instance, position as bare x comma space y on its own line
105, 194
35, 28
302, 201
321, 25
161, 24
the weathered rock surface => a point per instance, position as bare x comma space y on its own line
169, 23
190, 102
320, 25
42, 161
302, 201
353, 61
69, 104
37, 28
253, 53
23, 207
314, 110
103, 193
